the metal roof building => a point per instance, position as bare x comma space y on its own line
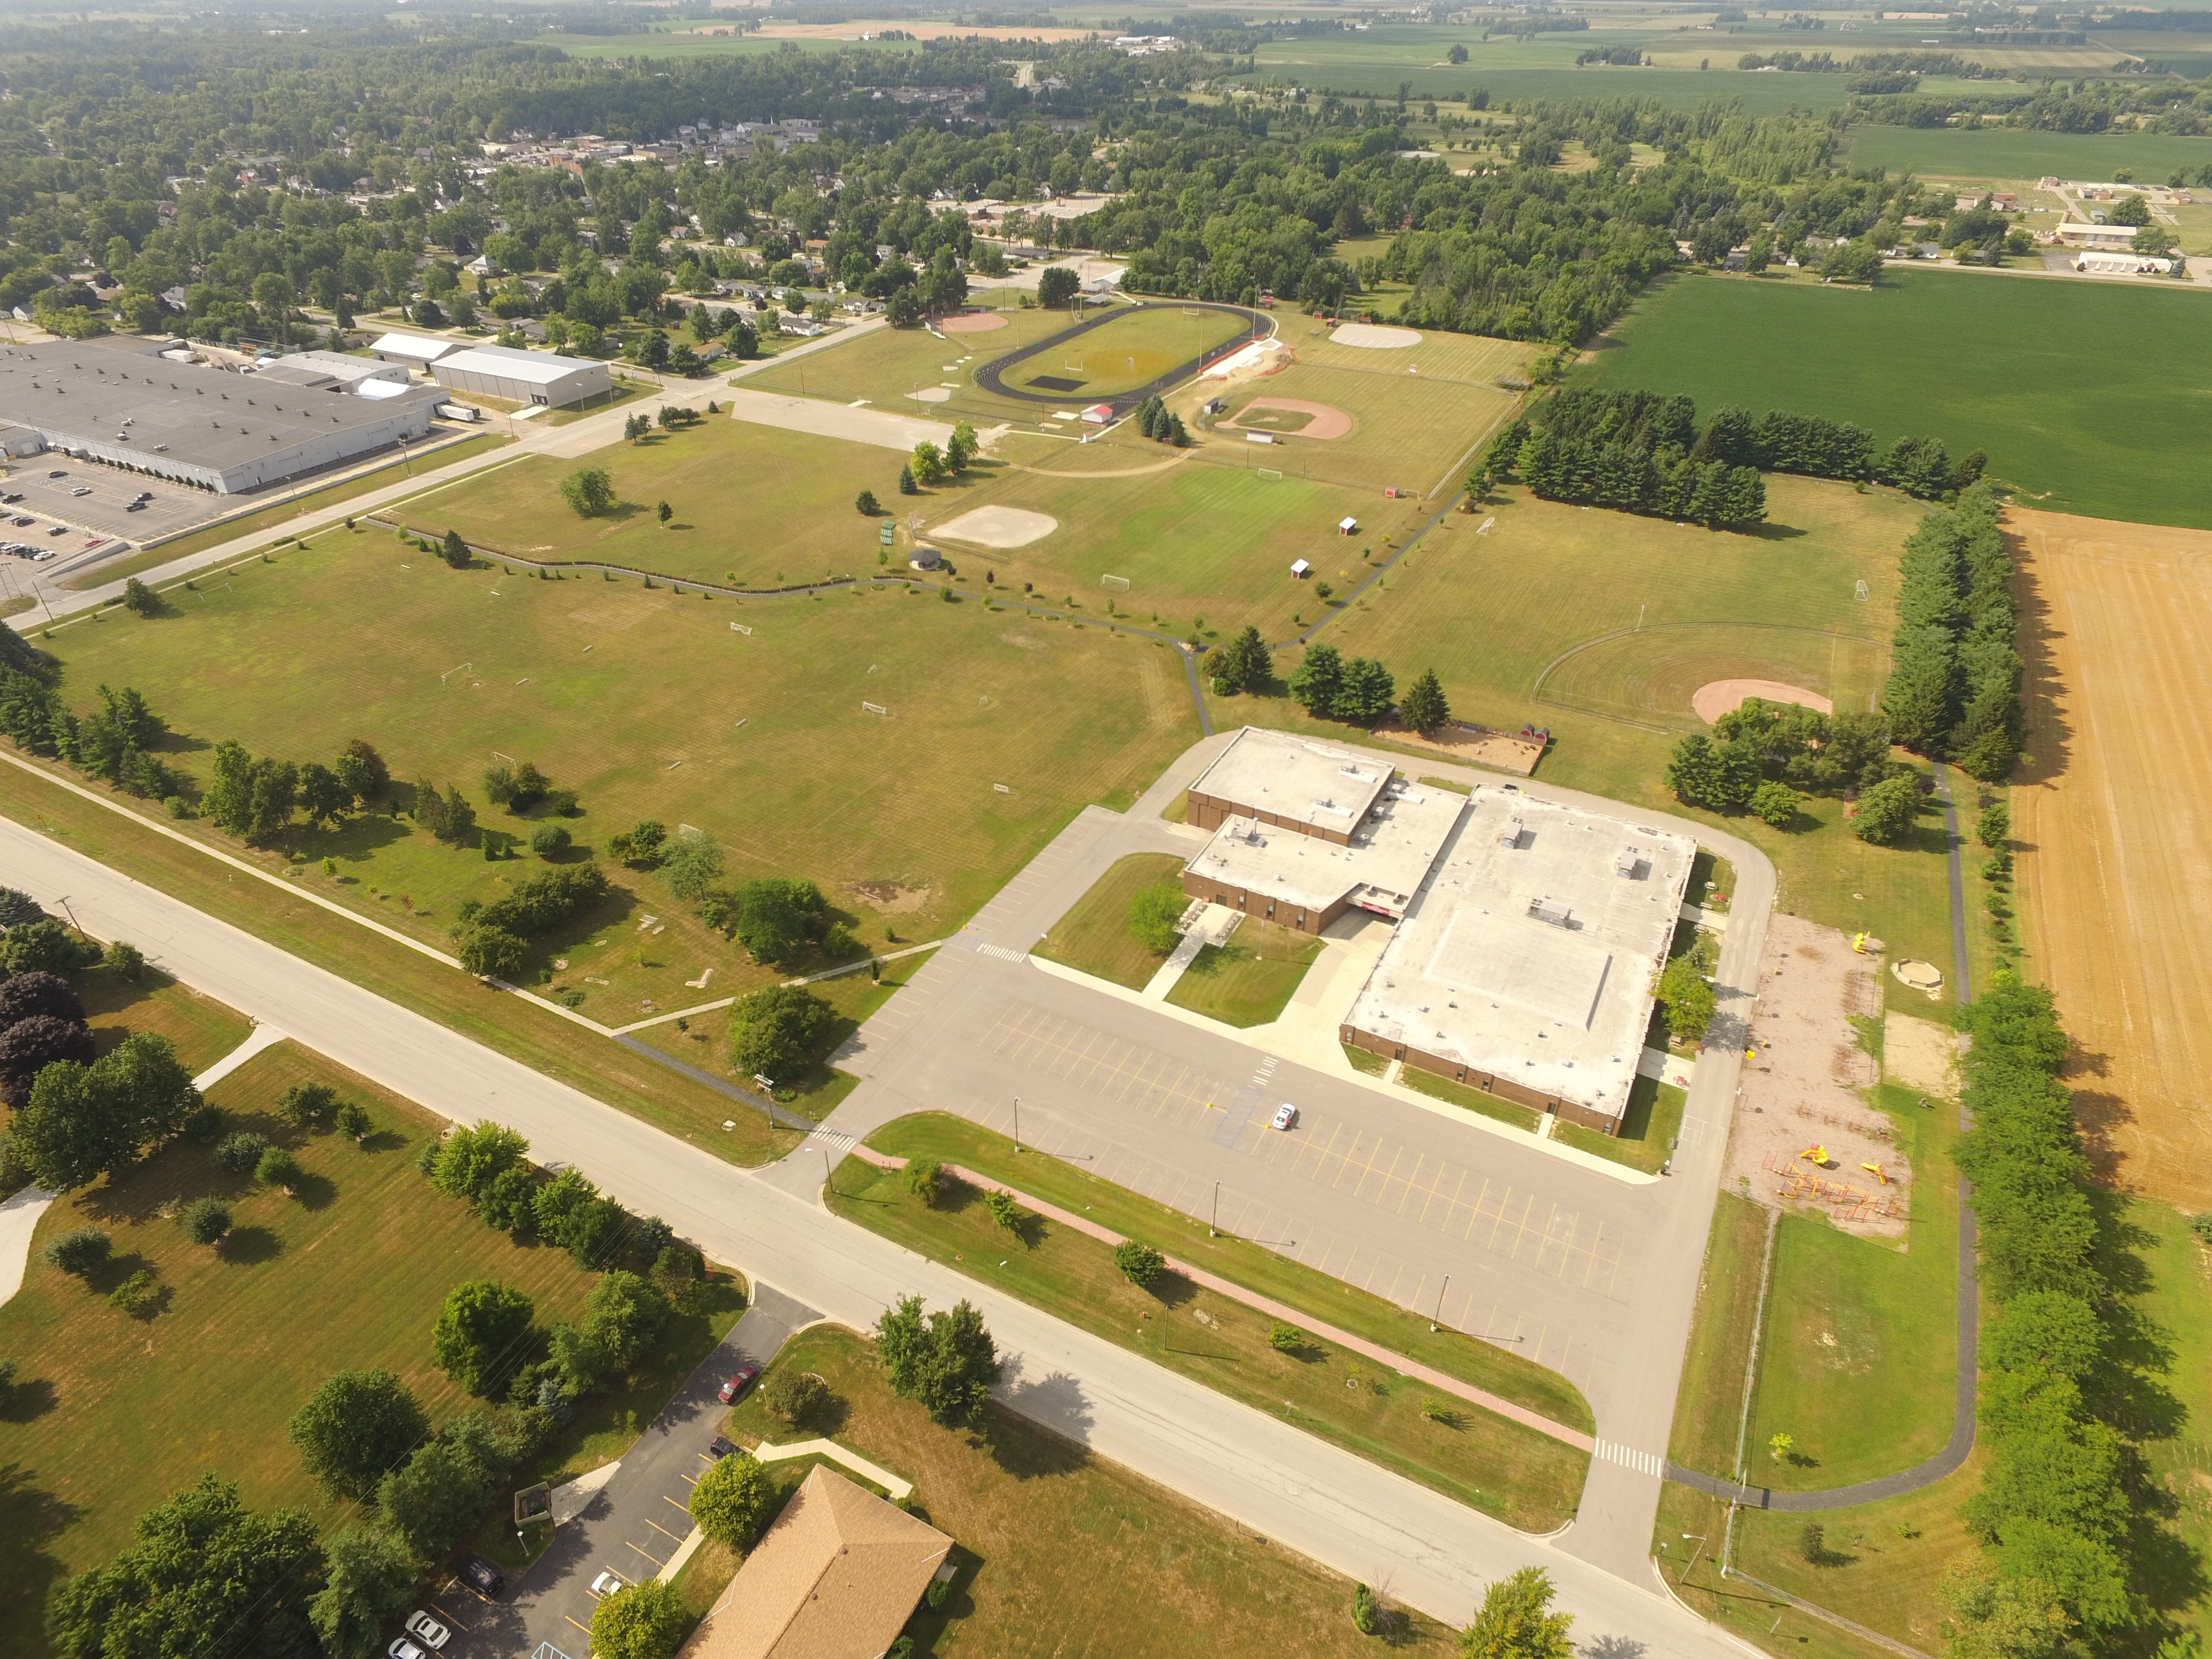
415, 350
203, 426
330, 370
523, 377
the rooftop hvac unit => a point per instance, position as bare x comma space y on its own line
1510, 834
1624, 864
1550, 910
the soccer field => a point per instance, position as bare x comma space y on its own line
2077, 392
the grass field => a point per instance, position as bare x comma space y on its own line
1250, 980
2177, 1298
1651, 674
2108, 818
1133, 347
2076, 432
1648, 1127
1094, 936
1066, 1555
2005, 154
201, 1030
114, 1412
557, 1047
1473, 1100
649, 706
787, 497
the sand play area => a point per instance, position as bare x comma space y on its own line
1804, 1088
932, 394
974, 322
1291, 415
1000, 527
1374, 337
1475, 745
1718, 697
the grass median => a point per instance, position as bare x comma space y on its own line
1514, 1473
1250, 980
1094, 938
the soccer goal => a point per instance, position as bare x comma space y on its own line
875, 708
1192, 310
1861, 593
1115, 584
1267, 474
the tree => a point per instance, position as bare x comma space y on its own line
907, 486
1246, 663
370, 1584
640, 844
1153, 913
548, 839
731, 1500
1992, 829
1004, 1211
83, 1250
775, 917
1057, 285
1317, 679
1424, 707
589, 491
82, 1122
1365, 1618
323, 797
354, 1121
478, 1340
36, 991
277, 1167
140, 600
640, 1621
1998, 1615
776, 1031
30, 1045
455, 551
797, 1397
865, 504
946, 1361
903, 308
1366, 692
491, 953
434, 1497
206, 1221
624, 1314
199, 1566
469, 1159
924, 1178
1887, 811
46, 947
691, 866
1687, 1000
363, 771
662, 511
355, 1430
1140, 1264
929, 466
962, 447
1515, 1621
1774, 804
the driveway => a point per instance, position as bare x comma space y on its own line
1333, 1507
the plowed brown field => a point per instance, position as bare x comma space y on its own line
2114, 816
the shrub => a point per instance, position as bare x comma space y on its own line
134, 1292
206, 1221
1887, 811
304, 1105
128, 961
547, 838
924, 1178
797, 1397
1004, 1210
1140, 1264
1364, 1615
80, 1250
236, 1153
1285, 1338
1774, 804
353, 1120
277, 1167
205, 1124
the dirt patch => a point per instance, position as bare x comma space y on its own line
1919, 1053
1804, 1088
931, 394
1718, 697
1294, 414
2112, 818
1374, 337
998, 526
974, 322
888, 897
1479, 745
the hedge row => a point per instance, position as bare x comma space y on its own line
1954, 677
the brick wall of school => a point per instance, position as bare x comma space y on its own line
1489, 1083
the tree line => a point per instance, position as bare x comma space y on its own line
1954, 687
1762, 755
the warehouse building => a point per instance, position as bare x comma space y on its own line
412, 350
1525, 966
201, 425
334, 371
524, 377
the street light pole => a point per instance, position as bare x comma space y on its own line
1692, 1561
1216, 1223
1439, 1319
1017, 1123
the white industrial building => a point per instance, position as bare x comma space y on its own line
523, 377
198, 425
413, 350
334, 371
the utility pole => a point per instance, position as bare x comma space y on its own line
1017, 1123
1439, 1319
1216, 1223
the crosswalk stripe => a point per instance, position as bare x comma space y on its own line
1642, 1462
1002, 953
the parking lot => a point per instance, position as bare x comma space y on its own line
104, 511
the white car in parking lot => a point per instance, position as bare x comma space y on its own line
1285, 1117
427, 1630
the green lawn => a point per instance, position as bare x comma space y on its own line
1499, 1370
1135, 346
1250, 980
201, 1030
2007, 154
1094, 936
2176, 1301
650, 707
1490, 1462
1474, 1100
770, 507
2076, 432
1648, 1128
116, 1412
1066, 1556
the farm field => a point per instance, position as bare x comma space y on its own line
351, 1274
1053, 1540
2000, 155
2108, 818
770, 506
648, 705
2090, 433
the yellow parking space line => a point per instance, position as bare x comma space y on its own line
662, 1530
447, 1618
646, 1554
672, 1504
586, 1629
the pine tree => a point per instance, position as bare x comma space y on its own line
907, 485
1316, 680
1423, 706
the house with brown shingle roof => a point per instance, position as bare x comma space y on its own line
836, 1577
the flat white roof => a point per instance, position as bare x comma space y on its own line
1298, 780
1390, 854
508, 363
1529, 954
421, 348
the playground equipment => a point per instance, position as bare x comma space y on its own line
1847, 1201
1817, 1155
1877, 1172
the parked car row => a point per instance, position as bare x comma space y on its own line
25, 550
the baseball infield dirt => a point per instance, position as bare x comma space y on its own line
1718, 697
2113, 820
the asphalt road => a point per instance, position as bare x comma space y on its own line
1498, 1236
1327, 1504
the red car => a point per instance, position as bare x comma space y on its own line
739, 1383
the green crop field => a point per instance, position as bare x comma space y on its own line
2076, 427
115, 1410
2004, 154
771, 506
649, 705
